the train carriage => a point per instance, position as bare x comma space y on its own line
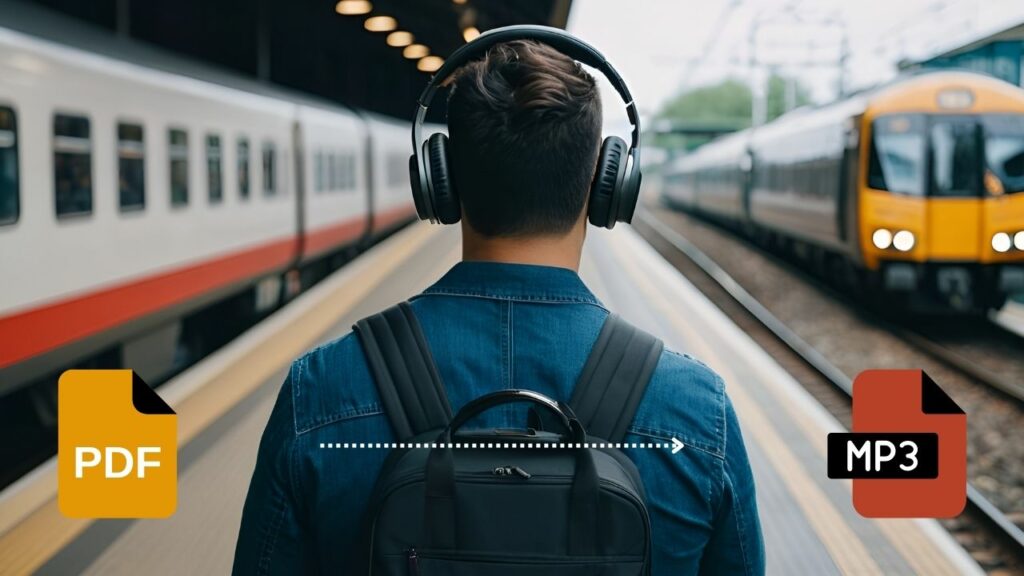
144, 212
914, 189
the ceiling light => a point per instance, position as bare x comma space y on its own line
399, 39
470, 33
415, 51
458, 1
429, 63
353, 7
380, 24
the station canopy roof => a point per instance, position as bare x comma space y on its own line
336, 50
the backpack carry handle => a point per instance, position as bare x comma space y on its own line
440, 513
562, 412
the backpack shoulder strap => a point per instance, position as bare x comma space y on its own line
403, 368
614, 379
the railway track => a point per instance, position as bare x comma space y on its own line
1007, 385
995, 521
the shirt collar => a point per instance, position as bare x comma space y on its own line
524, 282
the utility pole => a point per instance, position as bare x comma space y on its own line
844, 55
789, 15
758, 104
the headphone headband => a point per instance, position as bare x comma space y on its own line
556, 38
614, 190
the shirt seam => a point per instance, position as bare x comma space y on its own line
666, 435
351, 414
515, 298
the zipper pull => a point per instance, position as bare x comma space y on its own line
519, 472
414, 562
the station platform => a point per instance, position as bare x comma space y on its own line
809, 523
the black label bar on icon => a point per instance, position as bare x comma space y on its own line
892, 455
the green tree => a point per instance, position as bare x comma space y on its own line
727, 102
726, 105
778, 86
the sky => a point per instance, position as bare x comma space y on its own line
662, 47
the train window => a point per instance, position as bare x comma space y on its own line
9, 199
131, 167
339, 171
1004, 153
955, 158
243, 168
397, 168
318, 176
214, 178
349, 182
269, 169
897, 158
329, 172
177, 151
72, 165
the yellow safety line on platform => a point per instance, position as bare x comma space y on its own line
269, 347
847, 551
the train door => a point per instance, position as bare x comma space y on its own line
954, 215
846, 215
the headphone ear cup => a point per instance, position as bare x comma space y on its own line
418, 192
607, 184
442, 189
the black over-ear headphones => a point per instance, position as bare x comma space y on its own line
613, 193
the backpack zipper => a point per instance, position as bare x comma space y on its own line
511, 470
413, 562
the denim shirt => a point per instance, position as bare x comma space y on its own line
495, 326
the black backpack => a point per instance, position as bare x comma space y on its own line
554, 498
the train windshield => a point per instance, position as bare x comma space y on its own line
897, 159
1004, 153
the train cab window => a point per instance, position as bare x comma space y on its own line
955, 158
72, 165
9, 199
131, 167
1004, 153
177, 150
897, 158
214, 177
243, 168
269, 169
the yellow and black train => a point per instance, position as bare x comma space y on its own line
914, 190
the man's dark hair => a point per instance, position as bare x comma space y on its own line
525, 127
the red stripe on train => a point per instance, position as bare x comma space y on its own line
38, 330
42, 329
393, 215
328, 237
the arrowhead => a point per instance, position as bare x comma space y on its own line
676, 445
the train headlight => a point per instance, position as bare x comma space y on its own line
1018, 240
1001, 242
903, 240
882, 238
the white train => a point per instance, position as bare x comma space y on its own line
132, 199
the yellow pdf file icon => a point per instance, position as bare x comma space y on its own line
117, 448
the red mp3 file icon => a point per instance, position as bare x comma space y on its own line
907, 454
